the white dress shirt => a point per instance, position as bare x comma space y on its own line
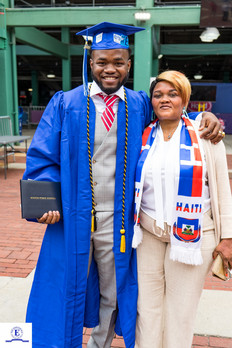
99, 102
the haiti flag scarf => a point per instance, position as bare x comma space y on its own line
187, 213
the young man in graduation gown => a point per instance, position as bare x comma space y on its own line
86, 272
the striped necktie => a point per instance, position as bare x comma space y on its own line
108, 114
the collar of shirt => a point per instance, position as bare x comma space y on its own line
99, 102
95, 89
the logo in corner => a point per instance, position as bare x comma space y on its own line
16, 334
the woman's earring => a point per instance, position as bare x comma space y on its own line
184, 112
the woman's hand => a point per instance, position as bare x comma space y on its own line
50, 218
211, 128
224, 248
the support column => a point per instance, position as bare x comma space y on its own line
66, 63
8, 85
14, 82
143, 60
143, 50
156, 50
35, 88
2, 27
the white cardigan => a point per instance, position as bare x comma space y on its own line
219, 187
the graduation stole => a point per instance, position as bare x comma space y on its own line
187, 214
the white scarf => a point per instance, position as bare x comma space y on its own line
189, 187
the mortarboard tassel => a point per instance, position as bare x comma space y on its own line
123, 241
93, 221
84, 68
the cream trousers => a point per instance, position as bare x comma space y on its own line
169, 293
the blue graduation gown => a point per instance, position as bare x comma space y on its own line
62, 299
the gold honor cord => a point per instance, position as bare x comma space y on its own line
122, 231
93, 211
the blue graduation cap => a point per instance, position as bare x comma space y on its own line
106, 36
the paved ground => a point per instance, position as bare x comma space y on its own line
20, 243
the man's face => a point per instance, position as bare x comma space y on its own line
110, 68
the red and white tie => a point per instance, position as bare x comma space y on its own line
108, 114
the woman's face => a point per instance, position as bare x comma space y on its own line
167, 102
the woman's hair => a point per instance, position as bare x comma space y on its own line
179, 81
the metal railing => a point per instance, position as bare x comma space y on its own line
73, 3
32, 115
176, 3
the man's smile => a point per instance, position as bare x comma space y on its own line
110, 78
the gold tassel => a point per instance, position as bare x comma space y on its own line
123, 241
93, 221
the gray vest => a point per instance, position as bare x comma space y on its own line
104, 164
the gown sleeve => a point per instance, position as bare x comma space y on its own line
147, 108
43, 156
193, 115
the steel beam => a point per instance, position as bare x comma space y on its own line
66, 63
75, 50
41, 40
144, 3
73, 16
168, 50
25, 50
196, 49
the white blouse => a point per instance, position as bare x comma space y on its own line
161, 167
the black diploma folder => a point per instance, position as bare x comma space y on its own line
39, 197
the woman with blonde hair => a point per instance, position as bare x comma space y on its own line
183, 217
